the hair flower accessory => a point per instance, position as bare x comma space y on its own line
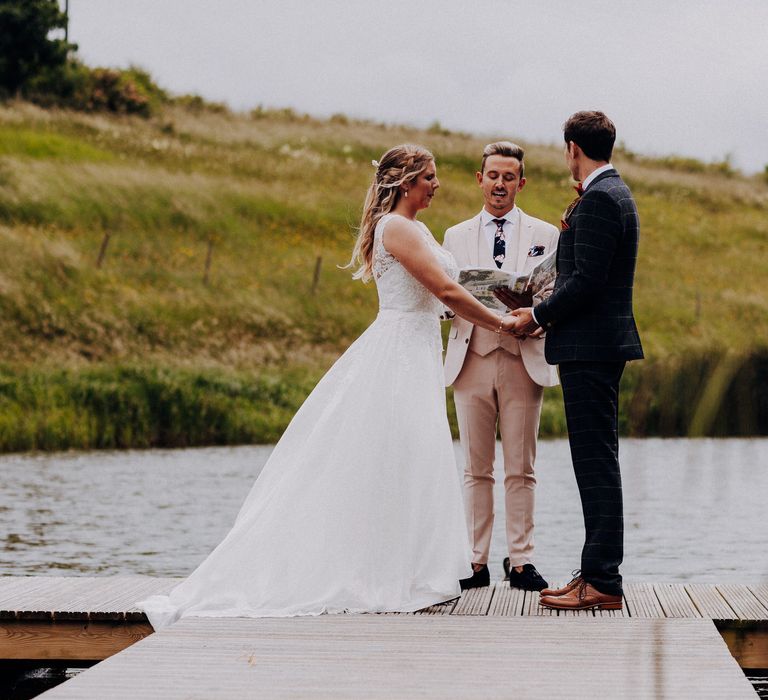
375, 164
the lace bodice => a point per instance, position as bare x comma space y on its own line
398, 289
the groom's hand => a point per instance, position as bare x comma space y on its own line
513, 300
524, 323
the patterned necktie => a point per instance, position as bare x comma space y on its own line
499, 242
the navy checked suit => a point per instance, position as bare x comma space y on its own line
591, 334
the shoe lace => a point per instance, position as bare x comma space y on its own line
582, 589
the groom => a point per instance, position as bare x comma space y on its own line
498, 380
591, 334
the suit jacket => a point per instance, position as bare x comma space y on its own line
467, 244
589, 315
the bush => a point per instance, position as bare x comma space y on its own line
76, 86
437, 129
195, 103
112, 91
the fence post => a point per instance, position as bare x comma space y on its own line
103, 248
208, 258
316, 276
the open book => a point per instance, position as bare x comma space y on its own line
480, 282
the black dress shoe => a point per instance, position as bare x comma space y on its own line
528, 579
478, 579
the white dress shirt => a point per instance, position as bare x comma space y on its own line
511, 226
597, 171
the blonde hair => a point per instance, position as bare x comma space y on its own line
398, 166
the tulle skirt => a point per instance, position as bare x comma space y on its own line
358, 508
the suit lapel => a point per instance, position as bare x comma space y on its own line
525, 228
474, 240
519, 245
575, 203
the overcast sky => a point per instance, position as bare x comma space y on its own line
684, 77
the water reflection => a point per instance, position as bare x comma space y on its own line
694, 510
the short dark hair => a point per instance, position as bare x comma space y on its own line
506, 149
592, 132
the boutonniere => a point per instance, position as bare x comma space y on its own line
564, 225
536, 250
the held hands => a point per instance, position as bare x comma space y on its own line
507, 325
520, 323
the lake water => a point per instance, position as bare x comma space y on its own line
694, 510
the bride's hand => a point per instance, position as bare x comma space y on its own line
508, 324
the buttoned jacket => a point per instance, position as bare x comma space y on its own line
589, 315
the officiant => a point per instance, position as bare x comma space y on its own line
498, 379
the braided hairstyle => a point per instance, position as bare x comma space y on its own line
398, 166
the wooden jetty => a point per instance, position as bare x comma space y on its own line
669, 641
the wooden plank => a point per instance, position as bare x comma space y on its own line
613, 613
67, 640
531, 607
117, 594
59, 594
744, 603
674, 600
122, 598
760, 591
709, 602
475, 601
15, 589
439, 609
507, 601
381, 656
642, 601
78, 597
35, 601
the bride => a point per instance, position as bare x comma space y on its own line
359, 508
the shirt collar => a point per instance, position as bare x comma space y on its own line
486, 217
588, 180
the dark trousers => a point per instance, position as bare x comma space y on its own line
591, 397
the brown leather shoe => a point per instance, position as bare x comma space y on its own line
584, 596
567, 588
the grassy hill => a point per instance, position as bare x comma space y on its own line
145, 349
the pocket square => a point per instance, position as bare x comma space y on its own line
536, 250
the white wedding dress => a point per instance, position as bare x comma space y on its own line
359, 507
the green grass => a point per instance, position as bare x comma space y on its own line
273, 191
41, 145
135, 406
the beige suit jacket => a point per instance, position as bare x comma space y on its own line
464, 241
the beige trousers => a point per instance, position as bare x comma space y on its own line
489, 389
